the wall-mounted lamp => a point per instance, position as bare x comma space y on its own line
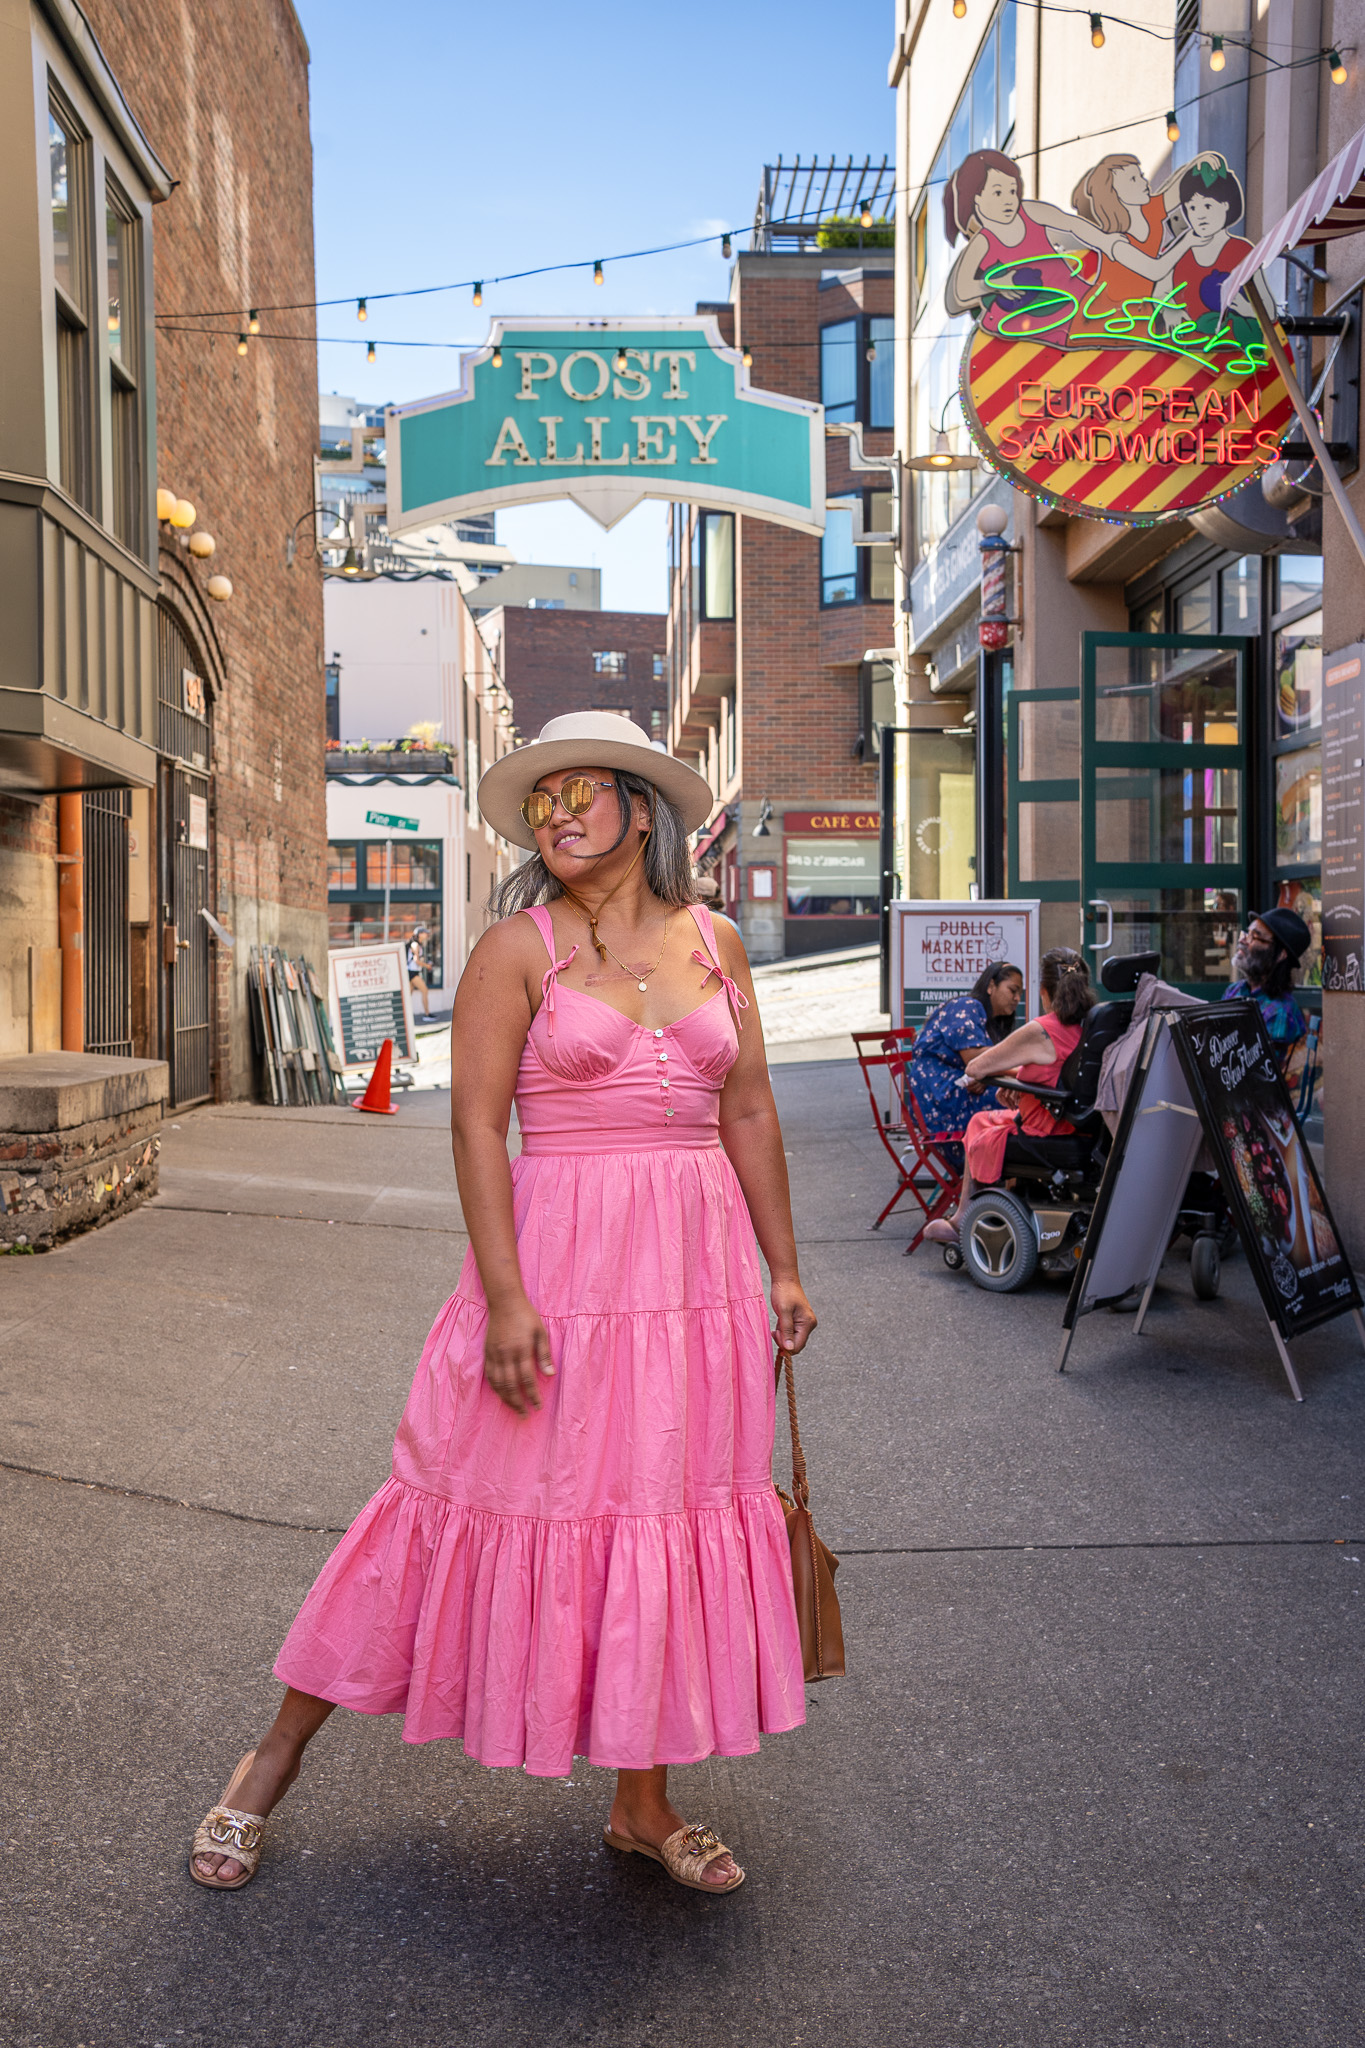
202, 545
166, 502
219, 589
184, 514
765, 811
941, 457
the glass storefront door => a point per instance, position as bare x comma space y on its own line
1163, 802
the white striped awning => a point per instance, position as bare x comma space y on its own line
1333, 205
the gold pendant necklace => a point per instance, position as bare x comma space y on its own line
643, 983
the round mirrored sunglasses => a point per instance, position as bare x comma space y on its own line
576, 795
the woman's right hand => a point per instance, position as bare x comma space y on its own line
516, 1348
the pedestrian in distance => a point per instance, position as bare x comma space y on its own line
580, 1551
417, 966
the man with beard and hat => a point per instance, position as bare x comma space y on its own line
1268, 952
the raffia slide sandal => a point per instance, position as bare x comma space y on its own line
685, 1855
226, 1831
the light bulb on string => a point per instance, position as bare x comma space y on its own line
253, 322
1216, 58
497, 357
362, 311
865, 213
241, 344
747, 357
1172, 127
872, 351
726, 248
370, 353
621, 364
1097, 31
959, 8
478, 294
597, 271
1338, 69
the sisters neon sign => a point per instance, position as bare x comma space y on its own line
1103, 374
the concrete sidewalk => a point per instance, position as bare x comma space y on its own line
1093, 1777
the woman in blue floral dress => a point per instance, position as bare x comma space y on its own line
962, 1026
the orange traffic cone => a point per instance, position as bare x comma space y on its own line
376, 1096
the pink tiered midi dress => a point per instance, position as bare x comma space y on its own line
608, 1577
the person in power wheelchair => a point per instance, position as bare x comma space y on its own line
1050, 1143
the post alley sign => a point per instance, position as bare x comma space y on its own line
606, 412
1102, 374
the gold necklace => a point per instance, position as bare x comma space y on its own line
644, 973
593, 915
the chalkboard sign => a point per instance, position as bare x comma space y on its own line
1267, 1171
371, 1002
1343, 821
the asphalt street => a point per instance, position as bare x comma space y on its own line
1093, 1778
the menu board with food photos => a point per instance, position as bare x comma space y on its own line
1271, 1183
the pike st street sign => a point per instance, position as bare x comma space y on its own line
606, 412
391, 824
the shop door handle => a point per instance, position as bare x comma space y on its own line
1098, 903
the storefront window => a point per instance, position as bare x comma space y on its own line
1240, 588
1297, 747
838, 556
1298, 677
1194, 930
1193, 609
341, 865
940, 838
833, 877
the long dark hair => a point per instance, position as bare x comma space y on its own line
998, 971
667, 859
1066, 979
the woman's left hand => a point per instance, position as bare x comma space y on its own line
794, 1314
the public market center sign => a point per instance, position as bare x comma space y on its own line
606, 412
1103, 374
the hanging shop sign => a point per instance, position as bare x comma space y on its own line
1343, 821
606, 413
1102, 374
940, 949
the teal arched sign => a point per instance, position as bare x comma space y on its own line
606, 412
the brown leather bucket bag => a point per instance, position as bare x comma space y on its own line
813, 1565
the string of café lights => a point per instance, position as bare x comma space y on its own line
178, 323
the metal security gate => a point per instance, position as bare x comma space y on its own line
108, 962
183, 800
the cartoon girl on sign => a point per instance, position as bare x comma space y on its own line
1115, 195
1013, 270
1211, 197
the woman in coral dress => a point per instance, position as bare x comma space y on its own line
580, 1551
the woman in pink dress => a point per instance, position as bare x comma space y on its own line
1036, 1051
580, 1551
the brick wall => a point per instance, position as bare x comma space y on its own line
222, 93
546, 660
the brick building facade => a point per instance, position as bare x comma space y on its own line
194, 783
770, 631
557, 661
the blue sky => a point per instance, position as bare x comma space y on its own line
456, 141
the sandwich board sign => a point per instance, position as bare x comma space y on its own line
606, 413
940, 949
370, 1001
1209, 1073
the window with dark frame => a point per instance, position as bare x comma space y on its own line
609, 661
355, 893
718, 565
1296, 744
857, 370
850, 574
69, 200
123, 323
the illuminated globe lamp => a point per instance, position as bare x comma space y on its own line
202, 545
219, 589
166, 502
183, 516
941, 457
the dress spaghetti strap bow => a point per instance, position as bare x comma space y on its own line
541, 918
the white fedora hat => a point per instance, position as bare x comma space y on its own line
587, 739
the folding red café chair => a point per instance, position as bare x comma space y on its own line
920, 1166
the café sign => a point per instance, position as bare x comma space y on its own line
606, 413
1102, 374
